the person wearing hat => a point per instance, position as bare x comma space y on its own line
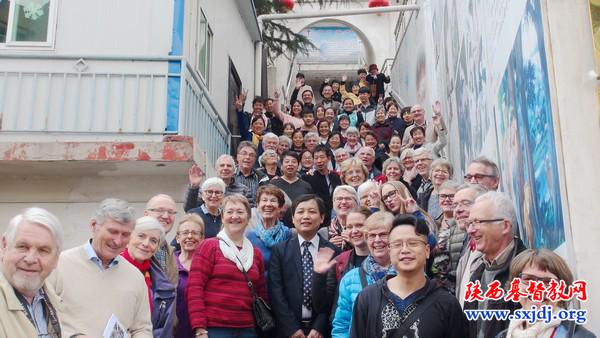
376, 82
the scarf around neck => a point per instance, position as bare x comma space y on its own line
144, 269
243, 258
538, 330
273, 235
376, 271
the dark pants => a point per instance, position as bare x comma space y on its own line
225, 332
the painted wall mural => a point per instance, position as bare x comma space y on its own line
491, 76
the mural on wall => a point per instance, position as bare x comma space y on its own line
525, 132
334, 43
492, 78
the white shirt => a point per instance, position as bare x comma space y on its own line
313, 249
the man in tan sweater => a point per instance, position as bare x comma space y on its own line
96, 284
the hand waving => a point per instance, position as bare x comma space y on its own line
324, 260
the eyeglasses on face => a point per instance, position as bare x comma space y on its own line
526, 278
213, 192
409, 243
163, 211
477, 177
389, 195
478, 222
194, 233
382, 236
445, 196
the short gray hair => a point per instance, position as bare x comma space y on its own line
340, 150
116, 209
226, 157
270, 136
284, 138
450, 185
404, 154
371, 150
39, 216
347, 189
478, 188
311, 134
503, 205
391, 160
155, 197
149, 223
366, 187
441, 162
352, 130
214, 182
423, 151
488, 163
265, 152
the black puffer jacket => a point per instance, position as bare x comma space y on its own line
375, 314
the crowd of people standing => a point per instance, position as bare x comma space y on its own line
343, 215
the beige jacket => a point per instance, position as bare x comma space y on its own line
13, 321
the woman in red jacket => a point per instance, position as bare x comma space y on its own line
219, 300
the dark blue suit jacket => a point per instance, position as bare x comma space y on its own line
285, 288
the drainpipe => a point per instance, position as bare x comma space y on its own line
317, 14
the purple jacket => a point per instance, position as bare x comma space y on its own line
184, 329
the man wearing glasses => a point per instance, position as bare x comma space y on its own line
163, 208
407, 304
490, 227
483, 171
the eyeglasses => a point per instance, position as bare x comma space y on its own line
477, 177
194, 233
526, 278
478, 222
463, 203
389, 195
382, 236
419, 160
163, 211
410, 244
445, 196
213, 192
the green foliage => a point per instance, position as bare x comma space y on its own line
277, 37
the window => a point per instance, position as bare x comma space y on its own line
204, 45
27, 22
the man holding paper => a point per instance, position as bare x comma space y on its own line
98, 287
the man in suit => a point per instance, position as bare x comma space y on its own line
291, 270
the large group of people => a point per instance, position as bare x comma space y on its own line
343, 215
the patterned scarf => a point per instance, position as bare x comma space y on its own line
273, 235
376, 271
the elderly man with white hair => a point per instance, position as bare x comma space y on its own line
367, 157
30, 249
97, 285
490, 227
163, 208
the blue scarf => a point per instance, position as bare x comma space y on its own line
273, 235
376, 271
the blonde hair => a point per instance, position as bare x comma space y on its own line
353, 163
237, 198
379, 219
192, 218
404, 194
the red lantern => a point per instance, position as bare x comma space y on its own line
378, 3
289, 4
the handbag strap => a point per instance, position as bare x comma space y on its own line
248, 282
363, 277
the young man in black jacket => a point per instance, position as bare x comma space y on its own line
408, 305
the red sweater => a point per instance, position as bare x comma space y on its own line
217, 293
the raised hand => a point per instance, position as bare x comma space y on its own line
299, 83
240, 100
410, 205
437, 107
276, 94
324, 260
344, 78
195, 175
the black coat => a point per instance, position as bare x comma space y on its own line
492, 328
285, 289
443, 318
318, 182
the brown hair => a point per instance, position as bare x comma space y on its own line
351, 163
270, 189
543, 259
237, 198
192, 218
